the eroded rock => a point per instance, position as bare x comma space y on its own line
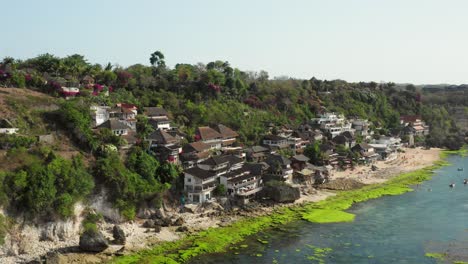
119, 235
93, 241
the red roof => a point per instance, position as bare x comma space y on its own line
125, 105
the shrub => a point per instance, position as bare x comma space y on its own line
16, 141
220, 190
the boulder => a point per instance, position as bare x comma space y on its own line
212, 206
157, 228
158, 221
148, 223
190, 208
281, 192
182, 229
225, 203
93, 241
119, 235
145, 213
159, 213
166, 221
180, 221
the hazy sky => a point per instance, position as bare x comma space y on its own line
418, 41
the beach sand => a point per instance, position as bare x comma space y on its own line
410, 160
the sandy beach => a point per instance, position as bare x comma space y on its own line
410, 160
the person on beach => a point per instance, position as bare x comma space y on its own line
182, 203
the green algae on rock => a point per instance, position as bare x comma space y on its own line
327, 216
438, 256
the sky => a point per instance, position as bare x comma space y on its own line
403, 41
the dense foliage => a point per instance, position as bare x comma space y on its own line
132, 184
47, 185
216, 92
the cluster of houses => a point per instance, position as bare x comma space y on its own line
216, 158
71, 88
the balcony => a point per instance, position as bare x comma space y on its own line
249, 192
243, 184
201, 188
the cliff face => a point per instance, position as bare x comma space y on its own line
26, 241
281, 193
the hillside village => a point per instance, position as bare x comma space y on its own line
133, 149
216, 164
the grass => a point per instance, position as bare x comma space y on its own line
215, 240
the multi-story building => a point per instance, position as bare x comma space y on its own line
413, 124
279, 168
194, 153
158, 118
202, 179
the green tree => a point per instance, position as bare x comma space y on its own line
220, 190
157, 59
313, 152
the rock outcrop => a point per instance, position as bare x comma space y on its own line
281, 193
180, 221
93, 241
182, 229
119, 235
342, 184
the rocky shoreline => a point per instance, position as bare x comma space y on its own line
169, 224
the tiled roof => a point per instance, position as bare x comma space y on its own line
207, 133
226, 132
256, 149
163, 137
277, 159
301, 157
113, 124
273, 138
130, 138
198, 146
130, 106
200, 173
216, 160
155, 111
257, 168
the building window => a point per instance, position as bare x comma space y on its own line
189, 179
207, 196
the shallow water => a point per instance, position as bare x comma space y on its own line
392, 229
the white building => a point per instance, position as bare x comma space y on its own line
199, 184
99, 114
7, 128
202, 179
327, 118
158, 117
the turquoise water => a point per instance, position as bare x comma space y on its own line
393, 229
